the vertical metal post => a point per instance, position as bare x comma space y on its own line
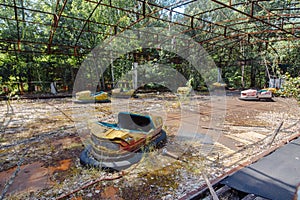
243, 65
112, 70
242, 78
219, 75
134, 75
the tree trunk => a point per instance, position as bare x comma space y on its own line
29, 74
253, 75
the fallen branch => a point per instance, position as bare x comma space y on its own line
211, 189
165, 152
121, 175
67, 116
275, 133
90, 184
213, 128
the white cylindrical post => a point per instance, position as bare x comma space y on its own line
135, 78
219, 74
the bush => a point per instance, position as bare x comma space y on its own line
291, 87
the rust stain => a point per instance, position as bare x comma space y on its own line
76, 198
31, 177
111, 193
63, 166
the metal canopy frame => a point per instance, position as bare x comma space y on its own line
271, 25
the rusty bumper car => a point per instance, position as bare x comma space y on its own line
118, 146
89, 97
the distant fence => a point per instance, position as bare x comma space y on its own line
33, 86
45, 86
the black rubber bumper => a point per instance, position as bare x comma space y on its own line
119, 163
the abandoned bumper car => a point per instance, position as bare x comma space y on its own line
89, 97
118, 146
256, 95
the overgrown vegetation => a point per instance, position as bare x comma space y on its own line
243, 63
291, 87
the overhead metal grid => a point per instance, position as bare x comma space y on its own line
214, 24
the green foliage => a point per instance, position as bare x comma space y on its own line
291, 87
105, 21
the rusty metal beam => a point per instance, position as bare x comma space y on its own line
272, 17
219, 31
41, 52
160, 8
87, 20
29, 9
60, 27
284, 9
253, 17
215, 9
252, 8
115, 7
56, 19
183, 4
38, 43
150, 15
244, 38
49, 13
222, 7
218, 40
18, 27
192, 17
242, 33
269, 12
